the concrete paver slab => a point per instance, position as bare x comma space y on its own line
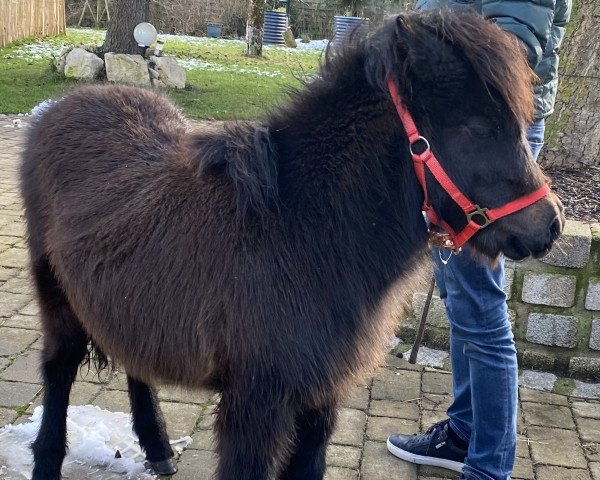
10, 303
555, 446
350, 427
15, 340
540, 414
338, 473
437, 383
589, 429
21, 321
26, 368
595, 470
546, 472
538, 396
17, 394
523, 469
389, 408
344, 456
204, 440
380, 428
378, 464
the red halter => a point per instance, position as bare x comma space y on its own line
427, 158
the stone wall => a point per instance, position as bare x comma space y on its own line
554, 305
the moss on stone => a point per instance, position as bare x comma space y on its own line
564, 386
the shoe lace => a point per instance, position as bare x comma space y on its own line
437, 426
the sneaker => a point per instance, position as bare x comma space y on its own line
434, 447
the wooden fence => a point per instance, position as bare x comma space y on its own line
25, 18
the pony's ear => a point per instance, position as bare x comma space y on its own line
402, 29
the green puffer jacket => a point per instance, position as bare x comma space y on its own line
540, 24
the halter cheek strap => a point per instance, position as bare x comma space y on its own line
477, 217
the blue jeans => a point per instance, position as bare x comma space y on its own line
535, 136
483, 356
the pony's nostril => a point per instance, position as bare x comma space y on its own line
555, 228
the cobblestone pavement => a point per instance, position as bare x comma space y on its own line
558, 435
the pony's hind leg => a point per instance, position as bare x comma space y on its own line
313, 429
65, 345
149, 424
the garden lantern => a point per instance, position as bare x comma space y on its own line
145, 35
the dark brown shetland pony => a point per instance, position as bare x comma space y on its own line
254, 259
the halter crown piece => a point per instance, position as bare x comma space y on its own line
477, 217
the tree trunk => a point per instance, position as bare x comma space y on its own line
254, 28
573, 130
124, 16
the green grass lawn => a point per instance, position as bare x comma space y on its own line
222, 82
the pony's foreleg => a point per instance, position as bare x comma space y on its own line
149, 425
254, 431
313, 430
65, 345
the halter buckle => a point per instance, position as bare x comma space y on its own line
480, 214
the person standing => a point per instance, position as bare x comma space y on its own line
479, 436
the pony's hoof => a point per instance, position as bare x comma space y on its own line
164, 467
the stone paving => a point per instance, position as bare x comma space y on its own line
559, 436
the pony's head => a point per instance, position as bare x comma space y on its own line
467, 85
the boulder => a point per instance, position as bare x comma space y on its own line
124, 68
157, 83
82, 65
60, 60
169, 71
288, 38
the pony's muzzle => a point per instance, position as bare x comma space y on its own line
533, 230
551, 224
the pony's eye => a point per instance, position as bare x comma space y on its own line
483, 131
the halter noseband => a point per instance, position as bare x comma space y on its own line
473, 212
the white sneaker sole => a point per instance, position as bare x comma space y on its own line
421, 460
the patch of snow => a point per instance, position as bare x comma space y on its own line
41, 50
394, 342
94, 437
537, 380
42, 107
318, 45
196, 64
429, 357
204, 41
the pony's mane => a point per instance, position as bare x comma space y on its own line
498, 58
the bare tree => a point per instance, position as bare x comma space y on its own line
124, 16
254, 27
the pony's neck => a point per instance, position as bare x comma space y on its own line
340, 139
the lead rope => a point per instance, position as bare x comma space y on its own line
415, 349
440, 241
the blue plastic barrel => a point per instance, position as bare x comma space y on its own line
345, 26
213, 30
275, 24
